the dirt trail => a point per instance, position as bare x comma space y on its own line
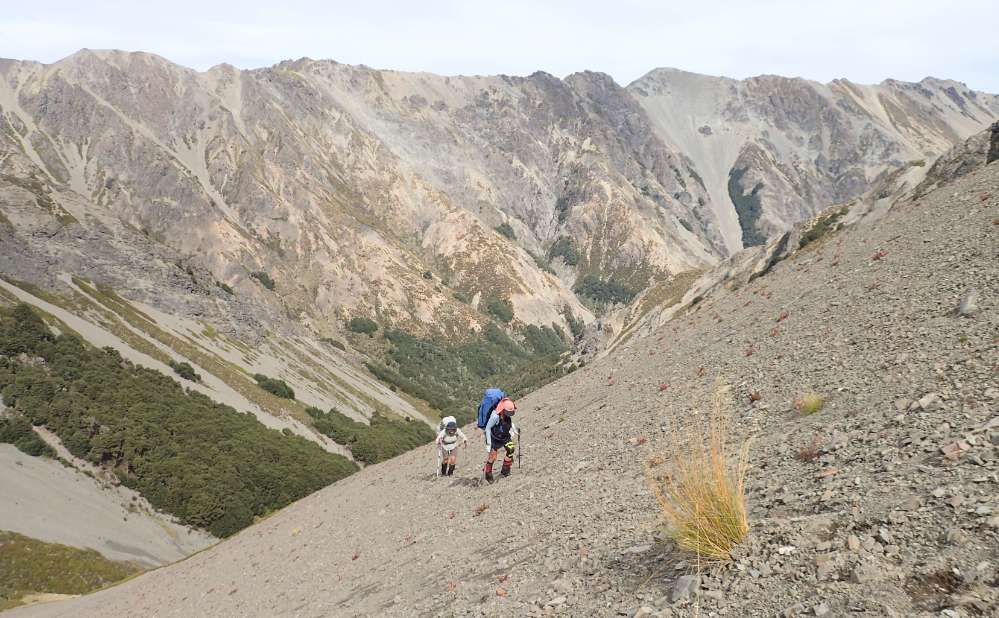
895, 515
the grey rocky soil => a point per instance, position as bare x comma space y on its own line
883, 503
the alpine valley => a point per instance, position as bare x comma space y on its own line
222, 291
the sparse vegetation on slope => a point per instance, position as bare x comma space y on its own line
229, 372
264, 279
822, 227
29, 566
206, 463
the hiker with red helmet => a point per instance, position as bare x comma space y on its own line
500, 431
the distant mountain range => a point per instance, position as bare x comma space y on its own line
388, 194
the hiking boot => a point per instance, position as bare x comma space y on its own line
450, 470
489, 477
443, 469
505, 470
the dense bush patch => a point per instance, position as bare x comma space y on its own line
383, 439
362, 325
606, 291
501, 309
16, 430
185, 370
565, 249
274, 386
451, 376
206, 463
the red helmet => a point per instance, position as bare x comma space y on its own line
506, 406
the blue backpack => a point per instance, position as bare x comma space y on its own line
489, 401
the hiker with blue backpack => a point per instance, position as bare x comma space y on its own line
495, 418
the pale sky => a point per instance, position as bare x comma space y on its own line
862, 40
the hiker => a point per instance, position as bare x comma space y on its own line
500, 430
448, 436
492, 397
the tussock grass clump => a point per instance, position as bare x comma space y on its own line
701, 490
809, 403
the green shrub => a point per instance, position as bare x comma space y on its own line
461, 297
576, 327
16, 430
185, 370
207, 464
544, 341
565, 249
429, 276
506, 230
362, 325
604, 291
264, 279
501, 309
274, 386
225, 288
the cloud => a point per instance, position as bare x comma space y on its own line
859, 39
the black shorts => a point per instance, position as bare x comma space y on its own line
501, 446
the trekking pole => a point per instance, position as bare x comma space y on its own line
520, 447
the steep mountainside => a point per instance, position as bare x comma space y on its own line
881, 503
774, 150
